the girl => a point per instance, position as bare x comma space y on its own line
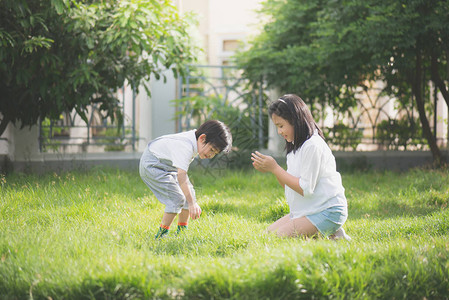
313, 186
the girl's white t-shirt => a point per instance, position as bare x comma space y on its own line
179, 148
314, 164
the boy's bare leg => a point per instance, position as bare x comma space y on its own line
183, 219
183, 216
168, 218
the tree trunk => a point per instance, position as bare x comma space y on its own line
438, 81
417, 92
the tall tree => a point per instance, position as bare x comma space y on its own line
60, 55
325, 49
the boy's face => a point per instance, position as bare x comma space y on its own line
206, 150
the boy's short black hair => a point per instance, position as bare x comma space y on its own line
217, 134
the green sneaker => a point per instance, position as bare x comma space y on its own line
181, 228
161, 233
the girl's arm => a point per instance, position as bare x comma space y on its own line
265, 163
194, 208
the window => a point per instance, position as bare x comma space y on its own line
230, 45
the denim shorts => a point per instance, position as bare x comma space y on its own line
329, 220
162, 179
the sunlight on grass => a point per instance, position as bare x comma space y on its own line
90, 235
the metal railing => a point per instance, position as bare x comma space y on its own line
220, 92
72, 134
376, 122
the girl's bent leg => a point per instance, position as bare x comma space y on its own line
279, 223
297, 227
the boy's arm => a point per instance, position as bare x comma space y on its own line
194, 209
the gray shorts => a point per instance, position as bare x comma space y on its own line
162, 178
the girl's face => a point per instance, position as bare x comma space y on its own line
206, 150
285, 129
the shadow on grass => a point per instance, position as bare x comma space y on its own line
246, 210
187, 245
113, 287
386, 209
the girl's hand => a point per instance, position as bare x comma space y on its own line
194, 211
263, 163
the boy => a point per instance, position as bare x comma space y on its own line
164, 165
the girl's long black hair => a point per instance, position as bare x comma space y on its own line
293, 109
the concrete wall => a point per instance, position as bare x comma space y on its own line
385, 160
4, 146
73, 162
221, 21
24, 155
346, 161
155, 114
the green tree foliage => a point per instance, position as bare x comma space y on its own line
60, 55
324, 49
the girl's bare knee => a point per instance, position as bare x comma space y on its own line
271, 228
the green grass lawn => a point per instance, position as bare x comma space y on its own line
90, 236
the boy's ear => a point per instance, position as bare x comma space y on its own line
202, 138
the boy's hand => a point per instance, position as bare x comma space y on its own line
263, 163
194, 211
194, 208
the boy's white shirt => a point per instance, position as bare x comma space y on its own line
314, 164
179, 148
